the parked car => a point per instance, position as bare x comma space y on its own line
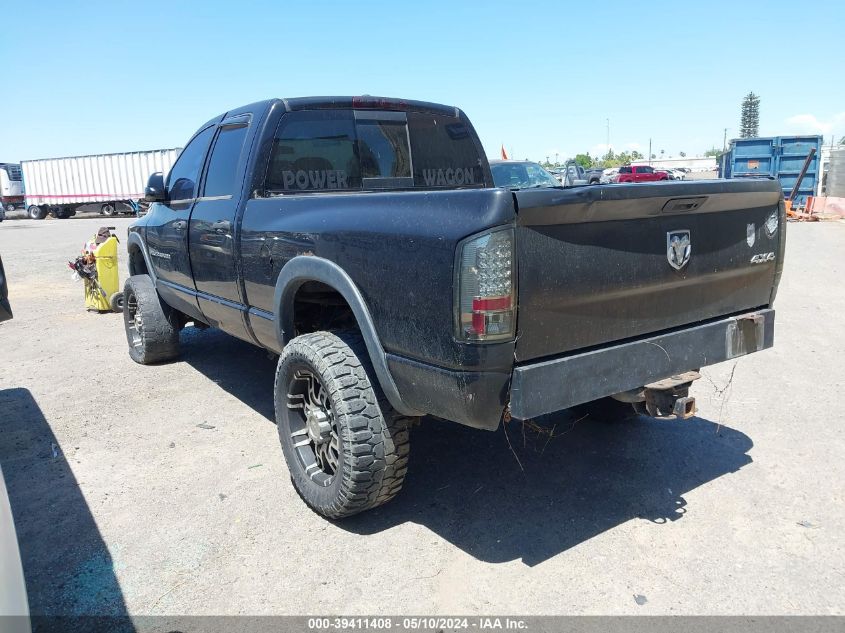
13, 600
5, 308
365, 241
639, 173
14, 605
675, 173
521, 174
570, 174
608, 175
594, 175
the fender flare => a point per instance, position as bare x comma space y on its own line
135, 240
309, 268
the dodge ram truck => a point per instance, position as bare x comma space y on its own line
640, 173
362, 239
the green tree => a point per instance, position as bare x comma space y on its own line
584, 160
713, 152
749, 126
682, 154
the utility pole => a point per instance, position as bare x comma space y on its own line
725, 140
557, 162
649, 151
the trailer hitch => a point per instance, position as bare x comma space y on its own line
665, 399
669, 398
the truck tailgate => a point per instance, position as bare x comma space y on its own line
607, 263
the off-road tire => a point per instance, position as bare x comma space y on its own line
373, 437
157, 338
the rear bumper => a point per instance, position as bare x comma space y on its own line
561, 383
478, 398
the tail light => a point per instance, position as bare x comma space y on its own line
486, 297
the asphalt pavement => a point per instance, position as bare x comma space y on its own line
162, 490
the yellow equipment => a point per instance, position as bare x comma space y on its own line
103, 293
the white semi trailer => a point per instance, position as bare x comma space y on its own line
114, 181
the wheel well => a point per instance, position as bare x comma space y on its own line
137, 263
318, 306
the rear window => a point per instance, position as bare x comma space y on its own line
624, 170
384, 151
332, 150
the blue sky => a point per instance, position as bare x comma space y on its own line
539, 77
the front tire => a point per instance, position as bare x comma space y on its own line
152, 327
345, 446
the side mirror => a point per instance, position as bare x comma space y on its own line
155, 191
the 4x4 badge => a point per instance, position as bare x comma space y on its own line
678, 248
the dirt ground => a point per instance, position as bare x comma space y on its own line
124, 504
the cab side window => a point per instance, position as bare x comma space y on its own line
183, 176
223, 165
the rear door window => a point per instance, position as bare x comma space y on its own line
314, 150
223, 165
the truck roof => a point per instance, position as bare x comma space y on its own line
361, 102
368, 102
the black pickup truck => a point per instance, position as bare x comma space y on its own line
363, 240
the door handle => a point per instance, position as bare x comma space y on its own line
221, 227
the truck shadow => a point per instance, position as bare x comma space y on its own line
243, 370
531, 497
527, 495
68, 568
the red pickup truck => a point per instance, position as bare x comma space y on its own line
639, 173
